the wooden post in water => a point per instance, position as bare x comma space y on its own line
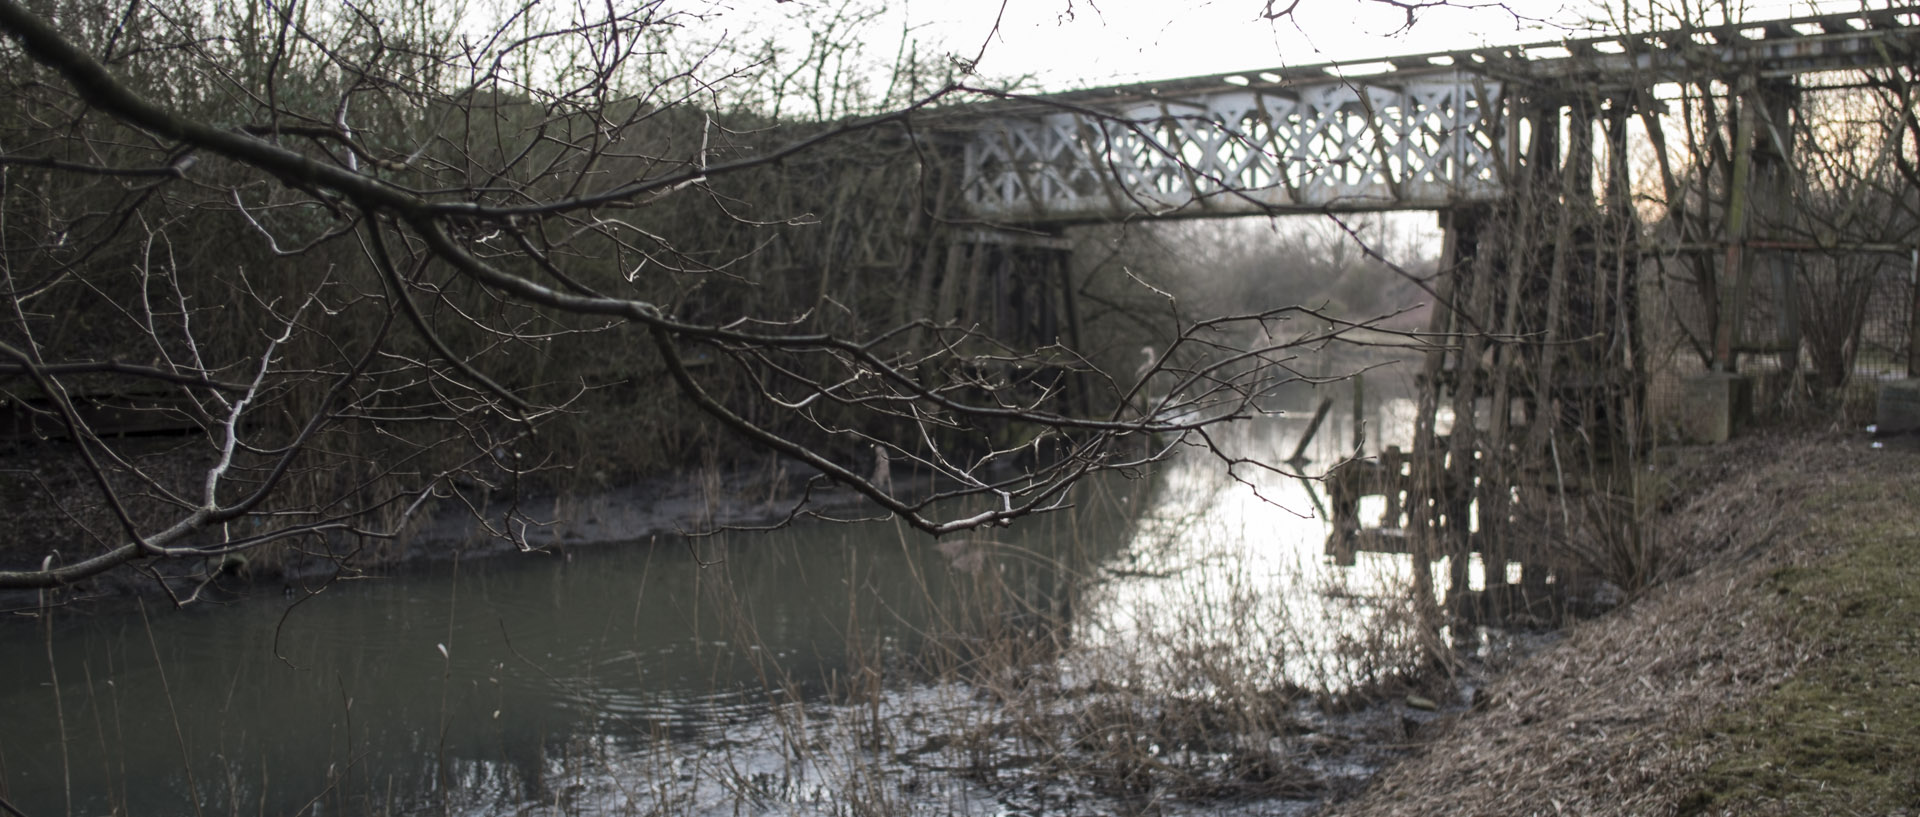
1345, 505
1299, 458
1494, 494
1462, 466
1359, 415
1392, 465
1543, 413
1424, 479
1079, 381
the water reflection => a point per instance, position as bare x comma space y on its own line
488, 677
1235, 565
705, 676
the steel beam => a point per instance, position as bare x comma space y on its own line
1426, 131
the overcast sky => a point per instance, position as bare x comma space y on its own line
1079, 43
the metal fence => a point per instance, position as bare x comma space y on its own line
1821, 331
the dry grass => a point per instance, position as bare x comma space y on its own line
1625, 716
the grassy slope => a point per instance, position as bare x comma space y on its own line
1842, 736
1780, 677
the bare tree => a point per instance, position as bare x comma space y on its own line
373, 260
1800, 175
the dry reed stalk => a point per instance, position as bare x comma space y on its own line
1606, 722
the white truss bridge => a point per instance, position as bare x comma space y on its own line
1421, 132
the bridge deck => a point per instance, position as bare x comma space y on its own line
1425, 131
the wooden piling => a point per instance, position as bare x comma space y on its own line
1423, 479
1359, 415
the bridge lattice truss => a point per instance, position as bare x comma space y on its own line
1426, 132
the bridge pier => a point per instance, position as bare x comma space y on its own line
1536, 355
1544, 423
1012, 286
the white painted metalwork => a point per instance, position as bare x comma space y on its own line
1334, 144
1419, 132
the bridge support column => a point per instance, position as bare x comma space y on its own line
1014, 287
1734, 270
1010, 284
1757, 207
1720, 403
1540, 422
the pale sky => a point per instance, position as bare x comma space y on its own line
1117, 40
1068, 44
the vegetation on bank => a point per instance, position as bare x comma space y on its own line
1778, 677
1838, 736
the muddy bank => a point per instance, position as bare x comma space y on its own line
465, 522
1779, 676
1776, 672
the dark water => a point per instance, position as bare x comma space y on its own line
478, 675
672, 676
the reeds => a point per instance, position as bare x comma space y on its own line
1166, 640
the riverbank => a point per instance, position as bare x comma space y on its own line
1773, 677
1780, 676
53, 505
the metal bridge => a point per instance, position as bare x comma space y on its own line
1525, 152
1430, 131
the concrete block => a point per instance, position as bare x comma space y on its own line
1714, 407
1899, 407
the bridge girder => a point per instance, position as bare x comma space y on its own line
1418, 132
1417, 143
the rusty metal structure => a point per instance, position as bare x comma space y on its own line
1527, 155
